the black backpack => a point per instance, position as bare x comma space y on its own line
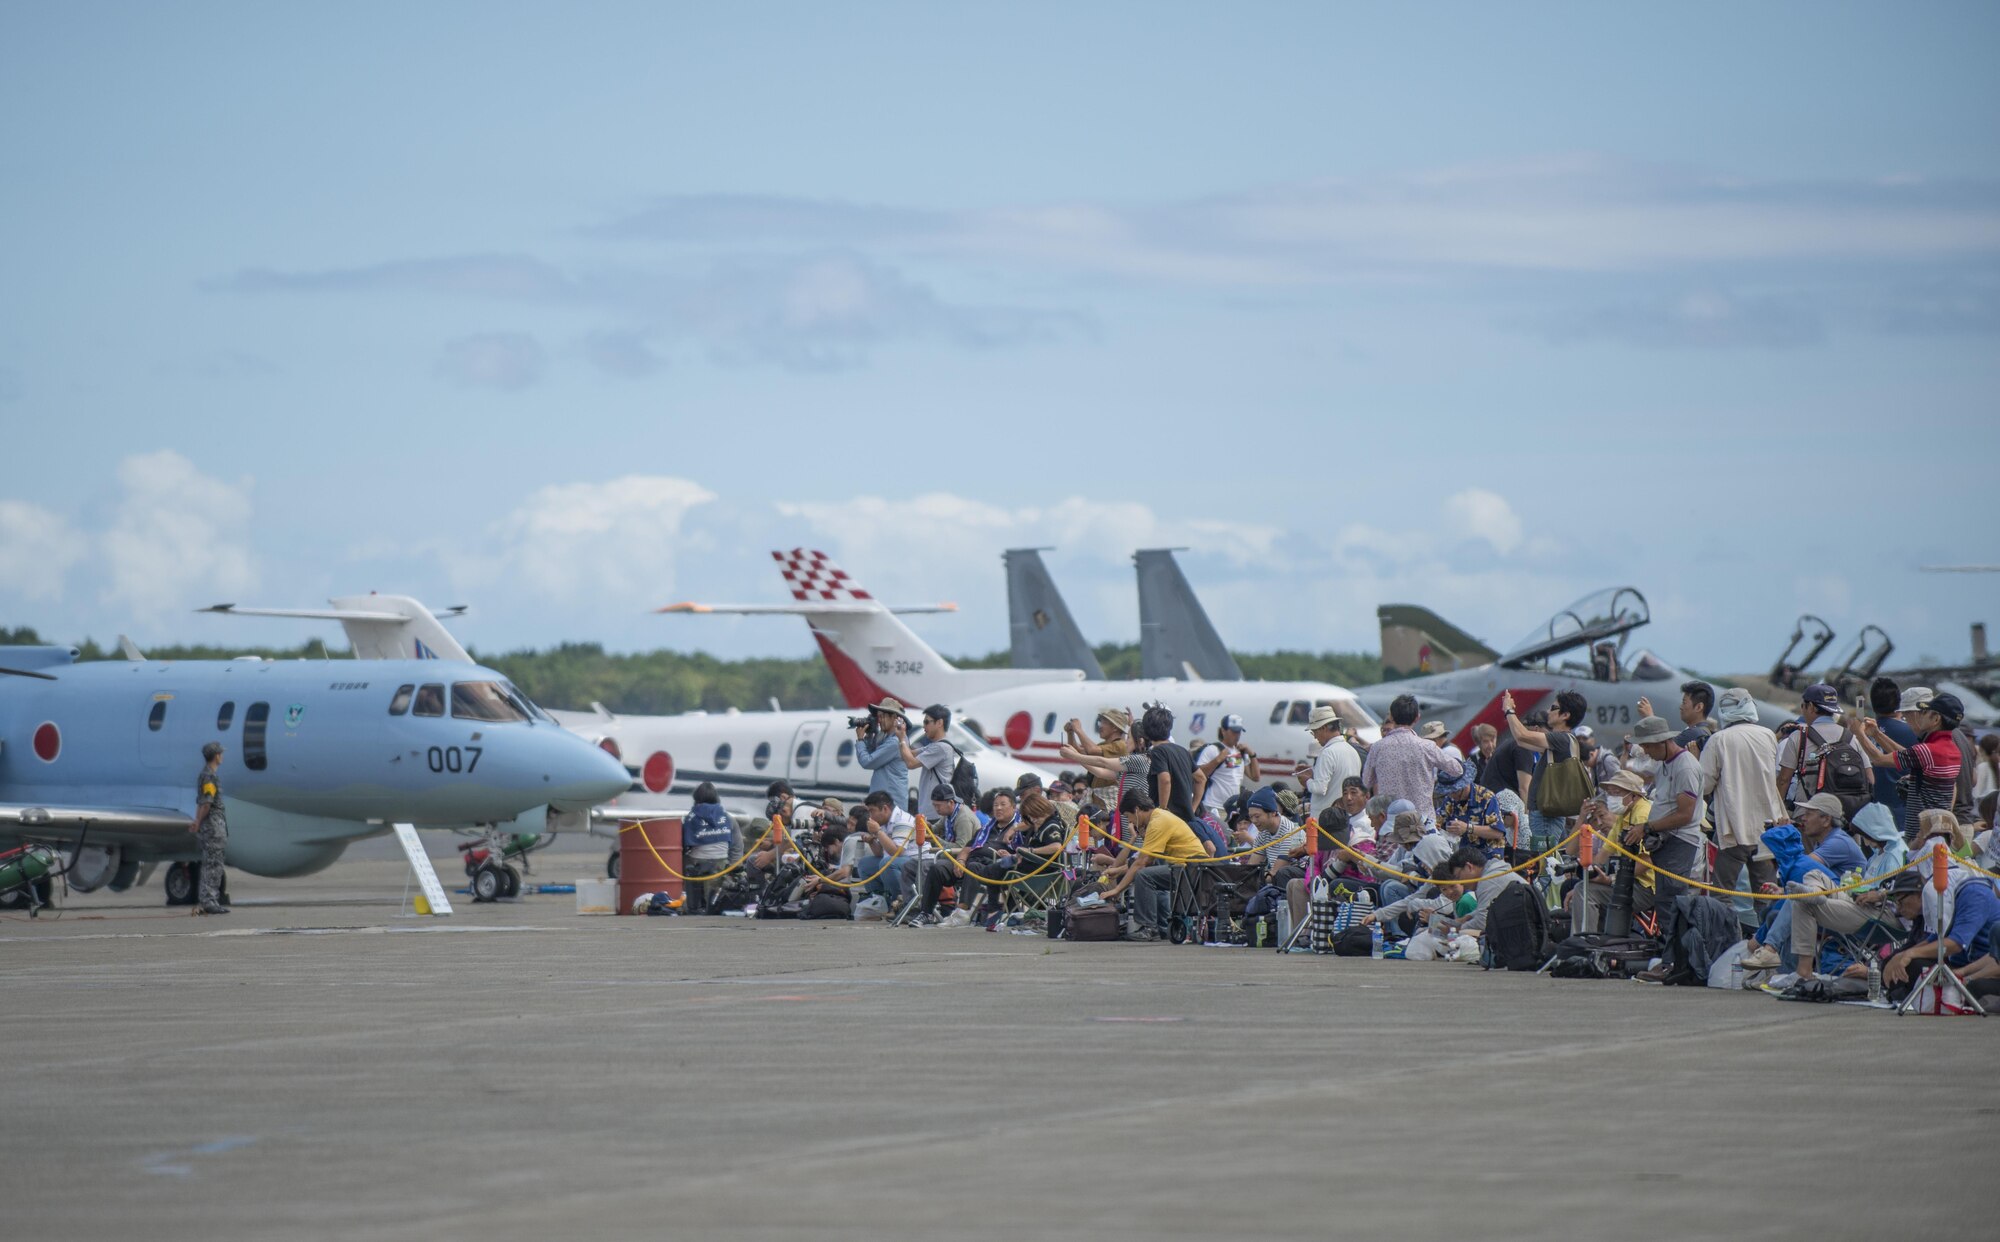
1843, 772
965, 778
1516, 930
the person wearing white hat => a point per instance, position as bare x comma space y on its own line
1337, 760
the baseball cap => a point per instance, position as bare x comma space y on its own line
1231, 721
1825, 804
1822, 696
1913, 698
1264, 800
1950, 711
1398, 807
1903, 883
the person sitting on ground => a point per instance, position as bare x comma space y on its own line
1270, 831
822, 892
705, 839
889, 829
1470, 812
1510, 816
1168, 842
1620, 808
1795, 867
1552, 745
1738, 767
1466, 866
1061, 791
1403, 765
977, 851
1973, 906
1327, 862
1929, 769
1795, 925
1420, 847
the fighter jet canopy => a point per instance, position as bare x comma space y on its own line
1608, 614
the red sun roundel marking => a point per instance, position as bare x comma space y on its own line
610, 747
48, 742
658, 772
1020, 729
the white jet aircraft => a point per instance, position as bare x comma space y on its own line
874, 656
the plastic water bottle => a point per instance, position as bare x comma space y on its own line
1736, 974
1874, 979
1375, 941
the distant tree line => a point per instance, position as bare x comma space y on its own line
575, 675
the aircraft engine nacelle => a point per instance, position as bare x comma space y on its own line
264, 854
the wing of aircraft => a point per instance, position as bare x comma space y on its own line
1176, 638
378, 627
106, 824
1417, 642
1042, 634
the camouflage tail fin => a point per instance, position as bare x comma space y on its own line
1416, 641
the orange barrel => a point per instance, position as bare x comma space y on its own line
639, 868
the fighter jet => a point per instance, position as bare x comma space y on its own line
100, 758
1596, 626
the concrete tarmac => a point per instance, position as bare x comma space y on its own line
317, 1066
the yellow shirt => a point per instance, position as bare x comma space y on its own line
1169, 839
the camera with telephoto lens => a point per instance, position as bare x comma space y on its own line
864, 721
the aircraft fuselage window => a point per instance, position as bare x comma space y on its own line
401, 703
1049, 723
158, 716
1278, 714
722, 757
256, 720
430, 701
486, 701
804, 755
1301, 712
761, 757
845, 755
223, 717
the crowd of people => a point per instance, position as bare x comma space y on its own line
1811, 844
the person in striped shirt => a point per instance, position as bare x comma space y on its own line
1929, 770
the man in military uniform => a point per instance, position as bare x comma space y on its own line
211, 828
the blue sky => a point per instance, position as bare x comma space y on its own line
566, 311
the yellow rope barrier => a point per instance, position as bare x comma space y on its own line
1369, 861
640, 825
1850, 887
1141, 850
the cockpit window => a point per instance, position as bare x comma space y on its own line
526, 704
487, 701
1649, 667
430, 701
401, 703
1301, 712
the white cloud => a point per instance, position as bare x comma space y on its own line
176, 537
589, 542
37, 549
1486, 515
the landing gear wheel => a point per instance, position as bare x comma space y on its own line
487, 883
513, 886
611, 866
181, 884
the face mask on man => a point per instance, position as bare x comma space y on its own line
1614, 804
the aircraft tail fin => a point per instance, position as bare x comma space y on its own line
1176, 638
378, 627
1043, 634
873, 655
1416, 641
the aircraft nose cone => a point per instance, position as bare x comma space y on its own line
586, 777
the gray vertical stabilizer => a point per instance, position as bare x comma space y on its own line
1175, 636
1043, 633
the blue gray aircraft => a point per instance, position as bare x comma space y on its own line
100, 758
1460, 680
